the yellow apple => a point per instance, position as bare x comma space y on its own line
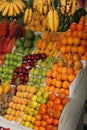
29, 117
24, 117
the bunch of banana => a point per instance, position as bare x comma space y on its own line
42, 6
68, 7
53, 20
12, 7
28, 14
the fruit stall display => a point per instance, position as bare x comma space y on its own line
40, 57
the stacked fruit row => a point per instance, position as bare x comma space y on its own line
37, 75
75, 39
8, 34
6, 94
11, 8
19, 102
21, 74
62, 74
10, 63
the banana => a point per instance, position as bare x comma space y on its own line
40, 6
6, 10
45, 8
14, 12
17, 10
50, 20
3, 5
49, 2
2, 1
55, 20
35, 5
19, 5
11, 11
30, 15
26, 15
74, 6
22, 3
63, 2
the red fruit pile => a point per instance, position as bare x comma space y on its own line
49, 113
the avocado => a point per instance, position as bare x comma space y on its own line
27, 51
18, 42
19, 50
28, 43
29, 35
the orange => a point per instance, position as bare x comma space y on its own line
53, 81
54, 67
59, 76
57, 101
76, 41
64, 76
81, 49
65, 84
51, 88
63, 40
85, 28
67, 92
71, 77
70, 40
64, 70
79, 33
70, 70
54, 74
58, 84
62, 95
68, 33
59, 69
43, 123
84, 42
68, 48
65, 101
48, 81
73, 26
84, 35
38, 117
74, 49
80, 26
74, 33
62, 50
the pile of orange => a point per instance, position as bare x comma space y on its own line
75, 39
49, 113
62, 74
49, 43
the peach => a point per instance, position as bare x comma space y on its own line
23, 88
22, 107
29, 95
11, 104
19, 87
32, 89
18, 94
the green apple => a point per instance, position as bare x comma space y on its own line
39, 98
1, 68
34, 80
15, 63
43, 64
36, 71
32, 71
19, 58
39, 62
26, 110
9, 77
43, 73
19, 64
39, 93
11, 71
43, 80
31, 79
6, 62
7, 56
34, 98
35, 111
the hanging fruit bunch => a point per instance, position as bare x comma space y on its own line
68, 7
42, 6
53, 19
11, 7
28, 14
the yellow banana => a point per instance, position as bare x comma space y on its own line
22, 3
40, 6
30, 15
10, 13
45, 8
16, 8
6, 10
55, 20
19, 5
2, 1
74, 6
49, 2
50, 20
26, 15
63, 2
35, 5
14, 12
3, 5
